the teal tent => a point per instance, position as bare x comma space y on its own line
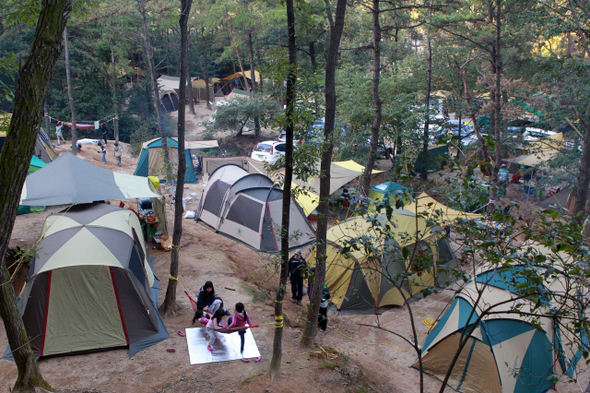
377, 192
151, 160
36, 164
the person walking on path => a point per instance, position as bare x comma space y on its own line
58, 132
297, 271
117, 152
103, 150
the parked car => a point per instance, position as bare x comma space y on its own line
268, 151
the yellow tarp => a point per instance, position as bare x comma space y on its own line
535, 158
431, 209
551, 142
239, 75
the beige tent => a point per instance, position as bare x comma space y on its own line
534, 159
430, 209
166, 82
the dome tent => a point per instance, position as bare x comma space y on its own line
90, 286
248, 208
359, 282
509, 350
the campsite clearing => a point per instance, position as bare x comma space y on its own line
347, 357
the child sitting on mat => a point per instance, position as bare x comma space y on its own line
215, 323
239, 320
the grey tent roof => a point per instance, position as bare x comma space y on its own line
70, 179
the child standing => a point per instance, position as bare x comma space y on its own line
323, 317
213, 325
239, 320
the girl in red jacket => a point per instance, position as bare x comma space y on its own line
240, 319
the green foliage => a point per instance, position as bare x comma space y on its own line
238, 114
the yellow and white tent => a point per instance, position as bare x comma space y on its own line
363, 281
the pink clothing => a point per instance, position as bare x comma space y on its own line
204, 321
240, 320
213, 324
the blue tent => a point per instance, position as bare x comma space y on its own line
151, 160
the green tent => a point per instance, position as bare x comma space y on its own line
435, 160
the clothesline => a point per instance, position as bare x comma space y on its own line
86, 126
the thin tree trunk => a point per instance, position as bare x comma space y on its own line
47, 119
30, 95
253, 79
70, 93
115, 104
496, 119
366, 180
206, 68
583, 179
330, 82
482, 142
277, 346
147, 47
169, 305
231, 33
424, 173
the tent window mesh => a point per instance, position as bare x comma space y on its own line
247, 212
215, 196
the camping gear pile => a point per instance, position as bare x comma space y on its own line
248, 208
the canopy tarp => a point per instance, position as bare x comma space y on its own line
341, 172
430, 209
534, 159
70, 179
239, 75
550, 142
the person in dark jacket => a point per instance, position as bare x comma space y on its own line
206, 296
297, 272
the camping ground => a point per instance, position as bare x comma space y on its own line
346, 358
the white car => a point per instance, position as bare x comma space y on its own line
268, 151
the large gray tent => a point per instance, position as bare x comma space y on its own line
70, 179
248, 208
90, 286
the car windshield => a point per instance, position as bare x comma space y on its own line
262, 148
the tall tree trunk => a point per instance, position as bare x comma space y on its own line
496, 95
169, 305
281, 88
277, 346
366, 180
310, 329
424, 173
70, 93
191, 99
147, 47
206, 68
31, 93
115, 103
